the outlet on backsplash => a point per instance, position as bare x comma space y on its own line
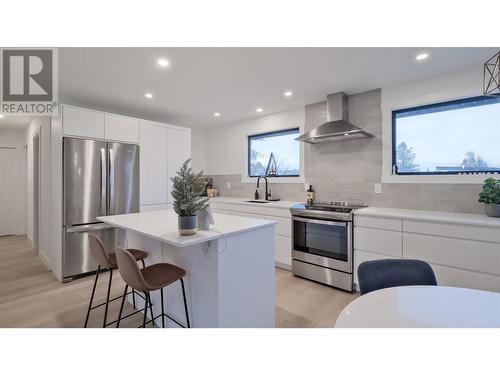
228, 185
377, 188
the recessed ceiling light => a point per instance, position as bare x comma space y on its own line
163, 62
346, 134
148, 95
422, 56
259, 110
217, 114
288, 93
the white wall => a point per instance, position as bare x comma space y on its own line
41, 125
226, 145
56, 195
16, 220
459, 85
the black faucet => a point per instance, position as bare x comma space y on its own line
258, 180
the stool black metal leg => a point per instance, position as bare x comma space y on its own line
146, 301
121, 306
92, 296
151, 308
185, 303
107, 297
162, 310
133, 290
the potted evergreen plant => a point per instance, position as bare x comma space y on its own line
186, 191
491, 197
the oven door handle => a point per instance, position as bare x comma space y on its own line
323, 222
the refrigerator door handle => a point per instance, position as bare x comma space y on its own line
103, 181
88, 228
111, 183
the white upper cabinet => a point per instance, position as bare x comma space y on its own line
154, 176
179, 149
81, 122
163, 148
121, 128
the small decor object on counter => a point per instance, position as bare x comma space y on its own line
186, 191
310, 196
212, 193
491, 197
208, 185
205, 218
256, 195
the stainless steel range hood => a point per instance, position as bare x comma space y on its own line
338, 127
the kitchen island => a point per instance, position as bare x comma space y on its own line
229, 268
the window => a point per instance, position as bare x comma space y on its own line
275, 154
456, 137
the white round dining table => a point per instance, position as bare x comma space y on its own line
423, 307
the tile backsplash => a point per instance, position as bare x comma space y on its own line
348, 170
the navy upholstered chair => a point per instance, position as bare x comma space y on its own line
387, 273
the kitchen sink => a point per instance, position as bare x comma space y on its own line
257, 201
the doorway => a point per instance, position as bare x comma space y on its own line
12, 180
7, 188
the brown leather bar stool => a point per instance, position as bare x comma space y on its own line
147, 280
107, 260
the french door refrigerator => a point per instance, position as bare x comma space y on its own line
99, 178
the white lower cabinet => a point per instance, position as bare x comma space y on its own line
466, 256
382, 241
449, 276
283, 228
476, 256
361, 256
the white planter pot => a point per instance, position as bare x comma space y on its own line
188, 225
492, 209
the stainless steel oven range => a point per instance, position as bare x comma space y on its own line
322, 242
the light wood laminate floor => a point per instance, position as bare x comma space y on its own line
30, 296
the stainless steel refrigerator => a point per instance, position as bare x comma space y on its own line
99, 178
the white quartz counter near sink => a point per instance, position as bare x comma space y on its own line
434, 216
244, 201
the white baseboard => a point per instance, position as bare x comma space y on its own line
44, 259
283, 266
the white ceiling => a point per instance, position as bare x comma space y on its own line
235, 81
15, 122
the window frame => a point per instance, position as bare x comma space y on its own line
267, 134
428, 107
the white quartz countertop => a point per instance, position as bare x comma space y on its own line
162, 226
439, 216
244, 201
